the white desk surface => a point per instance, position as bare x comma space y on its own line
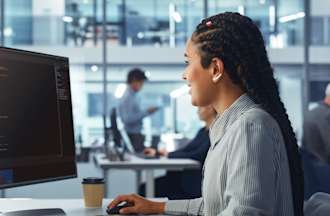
72, 207
140, 163
147, 165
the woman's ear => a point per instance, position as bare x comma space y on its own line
218, 69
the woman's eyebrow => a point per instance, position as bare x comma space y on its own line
186, 55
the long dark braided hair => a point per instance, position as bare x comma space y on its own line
237, 41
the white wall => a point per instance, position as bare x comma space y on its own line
290, 89
47, 17
320, 7
48, 7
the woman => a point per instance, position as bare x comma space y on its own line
253, 166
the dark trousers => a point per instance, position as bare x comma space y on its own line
170, 186
137, 141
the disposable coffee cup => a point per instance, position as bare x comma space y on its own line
93, 189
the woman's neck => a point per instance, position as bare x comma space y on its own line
226, 99
209, 122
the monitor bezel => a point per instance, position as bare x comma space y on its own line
52, 179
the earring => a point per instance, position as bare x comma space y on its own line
217, 78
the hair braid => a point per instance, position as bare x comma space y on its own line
238, 42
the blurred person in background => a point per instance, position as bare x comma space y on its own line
185, 184
316, 129
130, 110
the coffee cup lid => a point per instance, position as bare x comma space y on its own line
93, 180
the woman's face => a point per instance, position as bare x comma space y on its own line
198, 78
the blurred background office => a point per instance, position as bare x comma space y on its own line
106, 38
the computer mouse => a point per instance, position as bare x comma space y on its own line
116, 209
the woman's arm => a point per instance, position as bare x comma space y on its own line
140, 205
185, 207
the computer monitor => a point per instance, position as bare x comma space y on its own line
114, 128
120, 137
121, 140
36, 126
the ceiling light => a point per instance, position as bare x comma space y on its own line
8, 32
241, 9
94, 68
67, 19
292, 17
140, 35
177, 17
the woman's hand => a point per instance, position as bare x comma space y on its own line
150, 151
153, 152
140, 205
163, 152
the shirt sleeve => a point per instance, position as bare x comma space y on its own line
193, 207
251, 171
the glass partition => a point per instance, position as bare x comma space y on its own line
290, 19
153, 22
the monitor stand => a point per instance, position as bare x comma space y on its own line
36, 212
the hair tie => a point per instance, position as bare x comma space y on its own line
208, 23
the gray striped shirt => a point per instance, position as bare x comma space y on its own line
246, 171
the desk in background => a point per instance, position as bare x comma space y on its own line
147, 165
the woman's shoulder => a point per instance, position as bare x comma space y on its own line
253, 129
259, 121
258, 116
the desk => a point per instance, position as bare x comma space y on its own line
147, 165
72, 207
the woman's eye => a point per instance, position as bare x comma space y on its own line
186, 62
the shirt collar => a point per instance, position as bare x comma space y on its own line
228, 117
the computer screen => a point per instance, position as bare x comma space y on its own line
120, 137
114, 128
36, 126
